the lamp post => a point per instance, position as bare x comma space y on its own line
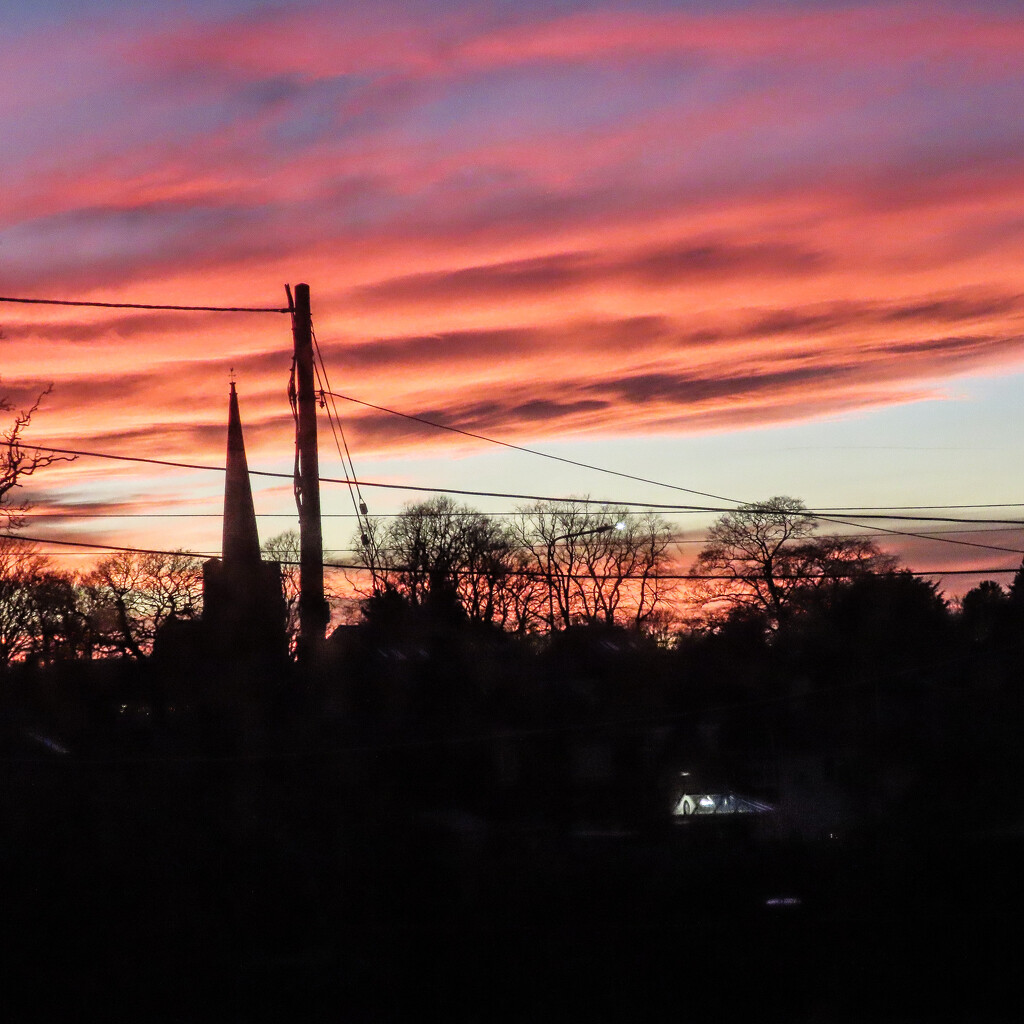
551, 555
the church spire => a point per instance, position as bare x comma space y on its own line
241, 541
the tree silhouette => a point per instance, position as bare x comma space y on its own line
599, 566
41, 609
60, 625
284, 548
985, 612
553, 566
18, 460
20, 564
130, 595
439, 551
765, 556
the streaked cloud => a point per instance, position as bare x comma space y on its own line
534, 221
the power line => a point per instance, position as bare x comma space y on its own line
78, 514
629, 476
932, 536
841, 520
375, 483
612, 472
946, 540
350, 468
528, 451
84, 554
923, 534
916, 508
145, 305
852, 509
537, 574
351, 480
139, 458
145, 515
640, 505
108, 547
337, 430
350, 515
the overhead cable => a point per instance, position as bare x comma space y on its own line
530, 451
814, 514
537, 574
108, 547
936, 539
80, 514
396, 487
851, 509
338, 431
146, 305
652, 506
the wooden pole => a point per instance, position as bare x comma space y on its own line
313, 610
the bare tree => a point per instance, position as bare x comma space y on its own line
20, 564
599, 565
765, 556
553, 566
625, 567
131, 595
41, 614
285, 549
490, 560
425, 548
18, 460
60, 624
438, 552
552, 534
520, 602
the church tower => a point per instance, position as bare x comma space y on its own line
243, 601
240, 544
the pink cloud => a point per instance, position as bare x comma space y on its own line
671, 268
316, 43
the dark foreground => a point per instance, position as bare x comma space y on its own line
193, 911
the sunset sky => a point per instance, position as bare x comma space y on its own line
747, 248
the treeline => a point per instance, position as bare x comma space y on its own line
48, 615
546, 568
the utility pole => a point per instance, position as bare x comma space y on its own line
313, 611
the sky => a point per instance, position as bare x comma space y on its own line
746, 248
